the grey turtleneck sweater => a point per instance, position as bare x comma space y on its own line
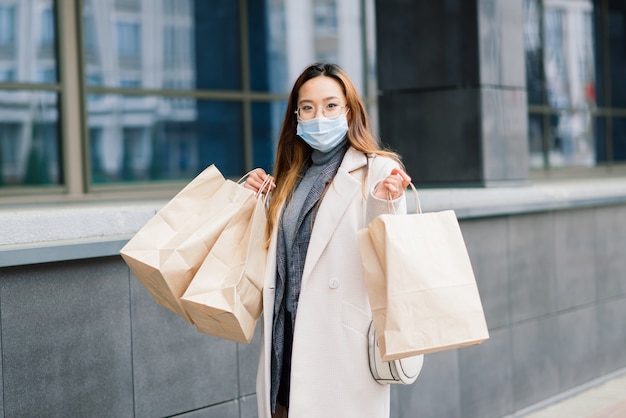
294, 206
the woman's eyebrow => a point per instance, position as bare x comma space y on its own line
324, 99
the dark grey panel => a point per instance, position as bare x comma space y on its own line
248, 357
532, 274
487, 245
536, 353
612, 335
176, 368
487, 377
66, 340
426, 44
452, 89
437, 133
610, 242
575, 258
434, 394
579, 347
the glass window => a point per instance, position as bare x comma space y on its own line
128, 40
195, 45
27, 59
561, 80
29, 151
46, 35
166, 44
571, 139
151, 138
536, 140
619, 139
267, 119
298, 33
601, 145
29, 117
7, 74
617, 48
7, 26
164, 90
534, 51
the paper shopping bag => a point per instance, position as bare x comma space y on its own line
224, 298
166, 252
421, 285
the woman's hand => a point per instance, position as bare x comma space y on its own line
256, 179
393, 186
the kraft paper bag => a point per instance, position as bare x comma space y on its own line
421, 285
224, 298
165, 253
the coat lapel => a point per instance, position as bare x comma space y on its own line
338, 198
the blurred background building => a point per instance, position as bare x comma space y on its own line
511, 112
153, 91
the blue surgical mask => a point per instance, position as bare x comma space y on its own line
323, 134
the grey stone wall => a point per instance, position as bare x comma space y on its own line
83, 338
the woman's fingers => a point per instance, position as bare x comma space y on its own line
406, 180
393, 185
257, 179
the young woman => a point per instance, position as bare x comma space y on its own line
330, 179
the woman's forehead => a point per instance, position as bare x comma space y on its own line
320, 88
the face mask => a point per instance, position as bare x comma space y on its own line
323, 134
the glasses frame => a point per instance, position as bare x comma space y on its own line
297, 112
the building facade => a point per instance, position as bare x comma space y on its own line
511, 112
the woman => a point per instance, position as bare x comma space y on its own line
331, 179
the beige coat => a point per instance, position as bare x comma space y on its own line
330, 375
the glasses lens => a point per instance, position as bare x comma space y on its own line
332, 111
306, 113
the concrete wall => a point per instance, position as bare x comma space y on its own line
81, 337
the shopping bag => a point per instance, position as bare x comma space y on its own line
421, 284
166, 252
224, 299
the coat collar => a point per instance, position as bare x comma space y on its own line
353, 160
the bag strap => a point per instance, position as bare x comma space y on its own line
418, 205
266, 181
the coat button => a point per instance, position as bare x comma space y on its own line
333, 283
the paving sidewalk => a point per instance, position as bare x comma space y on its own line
606, 400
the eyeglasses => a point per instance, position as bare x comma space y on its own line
330, 110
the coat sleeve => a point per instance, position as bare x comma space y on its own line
379, 169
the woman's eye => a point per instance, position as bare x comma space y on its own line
331, 105
306, 108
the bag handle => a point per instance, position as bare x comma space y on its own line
367, 190
418, 205
266, 181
